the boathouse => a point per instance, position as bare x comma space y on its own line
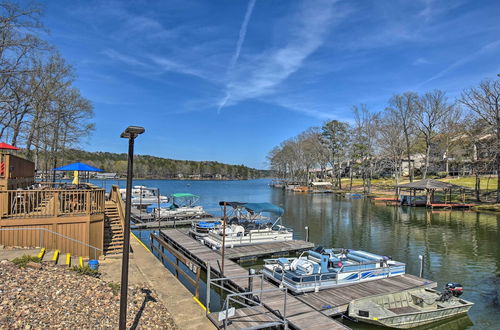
429, 187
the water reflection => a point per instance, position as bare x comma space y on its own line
460, 246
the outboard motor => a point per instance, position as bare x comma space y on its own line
455, 289
451, 290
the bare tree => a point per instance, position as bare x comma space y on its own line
432, 107
484, 102
403, 107
365, 131
391, 139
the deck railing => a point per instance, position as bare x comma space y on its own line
116, 197
51, 202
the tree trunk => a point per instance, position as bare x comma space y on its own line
350, 178
477, 187
497, 151
427, 152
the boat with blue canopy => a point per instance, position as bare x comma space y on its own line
323, 268
182, 206
246, 224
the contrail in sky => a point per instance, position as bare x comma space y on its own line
239, 44
243, 33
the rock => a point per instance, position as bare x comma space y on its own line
53, 297
33, 265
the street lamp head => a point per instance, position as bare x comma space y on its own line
132, 132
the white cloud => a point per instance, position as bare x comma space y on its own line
464, 60
421, 61
130, 60
261, 75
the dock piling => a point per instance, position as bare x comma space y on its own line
307, 233
421, 273
207, 300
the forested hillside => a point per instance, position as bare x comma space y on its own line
155, 167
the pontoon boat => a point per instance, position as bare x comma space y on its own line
325, 268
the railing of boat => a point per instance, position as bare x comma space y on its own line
319, 279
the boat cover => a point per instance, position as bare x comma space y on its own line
183, 195
256, 207
264, 207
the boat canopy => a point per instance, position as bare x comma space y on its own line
256, 207
184, 195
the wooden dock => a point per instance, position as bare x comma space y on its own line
335, 301
165, 223
141, 216
268, 249
306, 311
245, 318
298, 314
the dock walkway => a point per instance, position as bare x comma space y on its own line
298, 314
265, 249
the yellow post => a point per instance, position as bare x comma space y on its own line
56, 256
81, 261
68, 259
41, 254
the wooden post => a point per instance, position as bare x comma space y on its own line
55, 210
197, 288
223, 239
89, 201
207, 301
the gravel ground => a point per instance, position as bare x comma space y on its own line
56, 297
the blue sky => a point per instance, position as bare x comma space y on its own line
229, 80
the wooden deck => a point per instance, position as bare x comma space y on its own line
299, 315
268, 249
451, 205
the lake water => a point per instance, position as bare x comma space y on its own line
458, 246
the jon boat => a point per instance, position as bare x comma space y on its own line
246, 226
411, 308
323, 268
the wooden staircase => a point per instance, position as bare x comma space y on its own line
113, 230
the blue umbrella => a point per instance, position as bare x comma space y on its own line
79, 167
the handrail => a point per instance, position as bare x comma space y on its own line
251, 298
116, 197
57, 234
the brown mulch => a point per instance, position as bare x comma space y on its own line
56, 297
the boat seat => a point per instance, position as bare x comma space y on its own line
374, 309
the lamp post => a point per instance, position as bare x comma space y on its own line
130, 133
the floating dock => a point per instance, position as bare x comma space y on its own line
306, 311
153, 224
299, 315
141, 216
267, 249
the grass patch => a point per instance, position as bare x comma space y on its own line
115, 287
86, 270
24, 260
